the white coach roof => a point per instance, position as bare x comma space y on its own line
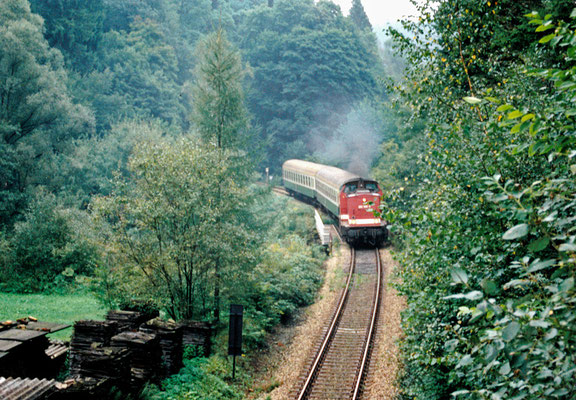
333, 176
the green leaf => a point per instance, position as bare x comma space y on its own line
538, 323
510, 331
516, 232
489, 286
516, 282
551, 334
567, 247
464, 361
459, 276
567, 285
504, 107
539, 244
567, 85
540, 265
451, 344
547, 38
505, 368
527, 117
514, 114
516, 128
472, 100
545, 27
473, 295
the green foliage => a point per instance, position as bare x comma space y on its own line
359, 17
91, 164
162, 225
48, 250
37, 115
288, 274
200, 379
136, 77
310, 68
219, 112
75, 27
489, 236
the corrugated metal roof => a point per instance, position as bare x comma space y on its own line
25, 388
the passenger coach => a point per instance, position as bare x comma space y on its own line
348, 197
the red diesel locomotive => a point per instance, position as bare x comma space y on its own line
348, 197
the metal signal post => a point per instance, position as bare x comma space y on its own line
235, 334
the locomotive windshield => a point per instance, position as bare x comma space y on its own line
372, 186
353, 187
350, 188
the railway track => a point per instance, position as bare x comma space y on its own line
340, 362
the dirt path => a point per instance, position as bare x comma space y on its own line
292, 346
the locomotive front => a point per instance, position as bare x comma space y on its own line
353, 200
359, 200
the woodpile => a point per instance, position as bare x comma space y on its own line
129, 320
23, 353
127, 350
91, 354
170, 340
195, 333
144, 356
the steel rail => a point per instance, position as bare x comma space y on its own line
330, 333
370, 336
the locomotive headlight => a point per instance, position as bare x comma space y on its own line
363, 200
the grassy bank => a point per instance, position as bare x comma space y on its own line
52, 308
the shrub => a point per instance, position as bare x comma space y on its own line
47, 250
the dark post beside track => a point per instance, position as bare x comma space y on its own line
337, 370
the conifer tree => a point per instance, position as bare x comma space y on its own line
219, 113
220, 118
359, 17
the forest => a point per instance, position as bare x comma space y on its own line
134, 135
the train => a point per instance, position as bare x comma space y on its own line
348, 198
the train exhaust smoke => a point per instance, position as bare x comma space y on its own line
354, 145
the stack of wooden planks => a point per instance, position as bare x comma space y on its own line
170, 340
129, 320
91, 354
144, 356
195, 333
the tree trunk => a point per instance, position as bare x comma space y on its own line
217, 294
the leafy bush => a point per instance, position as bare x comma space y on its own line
200, 379
489, 256
288, 270
48, 250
